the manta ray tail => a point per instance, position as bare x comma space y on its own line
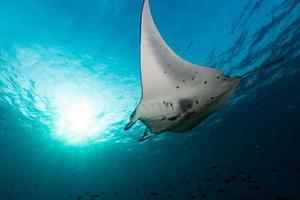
271, 64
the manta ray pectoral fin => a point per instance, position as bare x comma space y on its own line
162, 70
147, 134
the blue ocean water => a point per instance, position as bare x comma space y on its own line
70, 78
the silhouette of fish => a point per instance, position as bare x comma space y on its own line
153, 194
221, 190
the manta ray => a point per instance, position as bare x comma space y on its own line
176, 94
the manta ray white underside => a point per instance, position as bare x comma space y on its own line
176, 94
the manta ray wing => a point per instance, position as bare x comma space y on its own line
162, 71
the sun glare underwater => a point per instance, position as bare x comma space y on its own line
70, 78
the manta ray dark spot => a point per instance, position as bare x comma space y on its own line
172, 105
218, 77
177, 87
212, 98
205, 82
185, 104
196, 101
183, 81
165, 72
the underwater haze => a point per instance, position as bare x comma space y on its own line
70, 78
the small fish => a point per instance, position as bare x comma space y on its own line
221, 190
153, 193
227, 181
273, 170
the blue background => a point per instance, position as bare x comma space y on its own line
58, 55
